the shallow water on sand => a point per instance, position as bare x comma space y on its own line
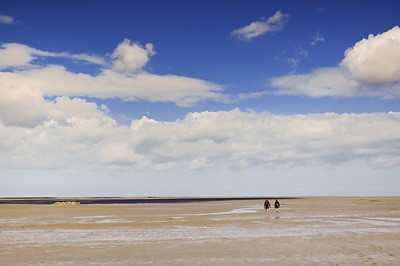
311, 231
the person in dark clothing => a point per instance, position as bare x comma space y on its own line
267, 205
277, 205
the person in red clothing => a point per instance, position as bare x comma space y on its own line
277, 205
267, 205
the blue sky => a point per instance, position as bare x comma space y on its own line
129, 98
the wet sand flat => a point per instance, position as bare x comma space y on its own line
308, 231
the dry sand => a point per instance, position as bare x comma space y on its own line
312, 231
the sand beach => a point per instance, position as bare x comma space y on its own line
306, 231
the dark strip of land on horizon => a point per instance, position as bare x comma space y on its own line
125, 200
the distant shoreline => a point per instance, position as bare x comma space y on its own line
125, 200
138, 200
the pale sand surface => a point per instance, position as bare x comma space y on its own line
311, 231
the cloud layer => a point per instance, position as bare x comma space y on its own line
45, 123
370, 68
257, 28
81, 133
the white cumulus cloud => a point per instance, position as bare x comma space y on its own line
371, 68
15, 55
131, 58
376, 59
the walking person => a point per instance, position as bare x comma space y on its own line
277, 205
267, 205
